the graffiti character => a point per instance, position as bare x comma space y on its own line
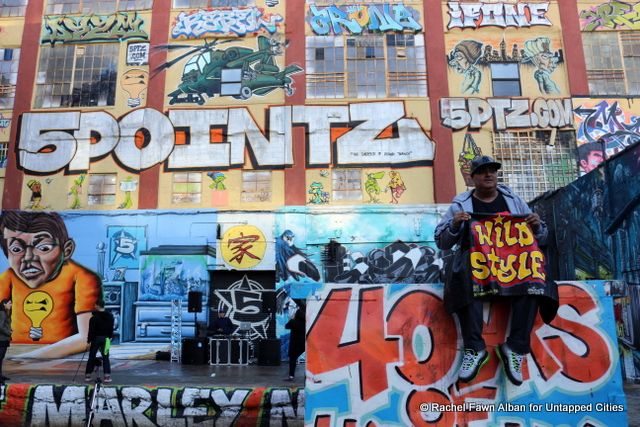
318, 196
291, 261
52, 295
463, 59
75, 192
217, 178
469, 151
371, 186
128, 185
396, 186
537, 52
36, 194
134, 82
590, 155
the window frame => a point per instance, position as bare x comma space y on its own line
102, 194
349, 193
178, 197
90, 6
258, 192
495, 81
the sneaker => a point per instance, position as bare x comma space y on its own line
472, 361
289, 379
87, 378
511, 362
107, 378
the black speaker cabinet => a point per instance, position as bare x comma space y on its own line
195, 351
269, 352
195, 302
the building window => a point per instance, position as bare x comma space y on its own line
532, 164
346, 184
4, 150
368, 66
13, 7
102, 189
190, 4
187, 188
613, 62
505, 79
77, 76
256, 186
62, 7
9, 59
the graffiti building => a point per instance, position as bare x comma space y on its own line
263, 152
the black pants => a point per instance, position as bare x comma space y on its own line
523, 315
3, 352
293, 361
98, 344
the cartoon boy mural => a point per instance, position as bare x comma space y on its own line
537, 51
52, 295
463, 59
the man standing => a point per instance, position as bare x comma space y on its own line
487, 198
99, 338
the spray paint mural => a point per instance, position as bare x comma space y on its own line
237, 71
387, 355
69, 132
472, 113
359, 18
93, 28
500, 14
236, 21
602, 244
611, 15
605, 128
52, 405
468, 55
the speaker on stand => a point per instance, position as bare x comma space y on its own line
195, 306
269, 352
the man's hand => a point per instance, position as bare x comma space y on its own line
459, 218
533, 219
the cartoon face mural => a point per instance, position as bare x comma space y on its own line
463, 59
395, 186
236, 71
134, 82
218, 181
318, 195
372, 187
36, 194
39, 250
75, 191
468, 55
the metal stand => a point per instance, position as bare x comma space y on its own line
176, 330
94, 395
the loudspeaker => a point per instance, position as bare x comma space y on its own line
269, 352
195, 351
195, 302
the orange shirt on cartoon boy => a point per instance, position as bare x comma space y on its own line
52, 295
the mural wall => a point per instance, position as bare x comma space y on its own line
388, 355
604, 244
52, 405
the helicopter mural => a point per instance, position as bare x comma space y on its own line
236, 71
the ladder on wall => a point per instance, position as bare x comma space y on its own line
176, 330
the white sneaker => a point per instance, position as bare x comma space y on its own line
472, 361
511, 362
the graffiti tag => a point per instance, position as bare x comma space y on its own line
357, 19
475, 15
611, 15
238, 20
93, 28
70, 133
608, 123
369, 349
460, 113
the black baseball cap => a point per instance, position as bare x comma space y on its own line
481, 161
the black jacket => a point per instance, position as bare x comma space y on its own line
297, 340
100, 325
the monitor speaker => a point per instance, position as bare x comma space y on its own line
195, 351
195, 302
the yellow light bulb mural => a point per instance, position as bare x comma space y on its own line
134, 82
37, 306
